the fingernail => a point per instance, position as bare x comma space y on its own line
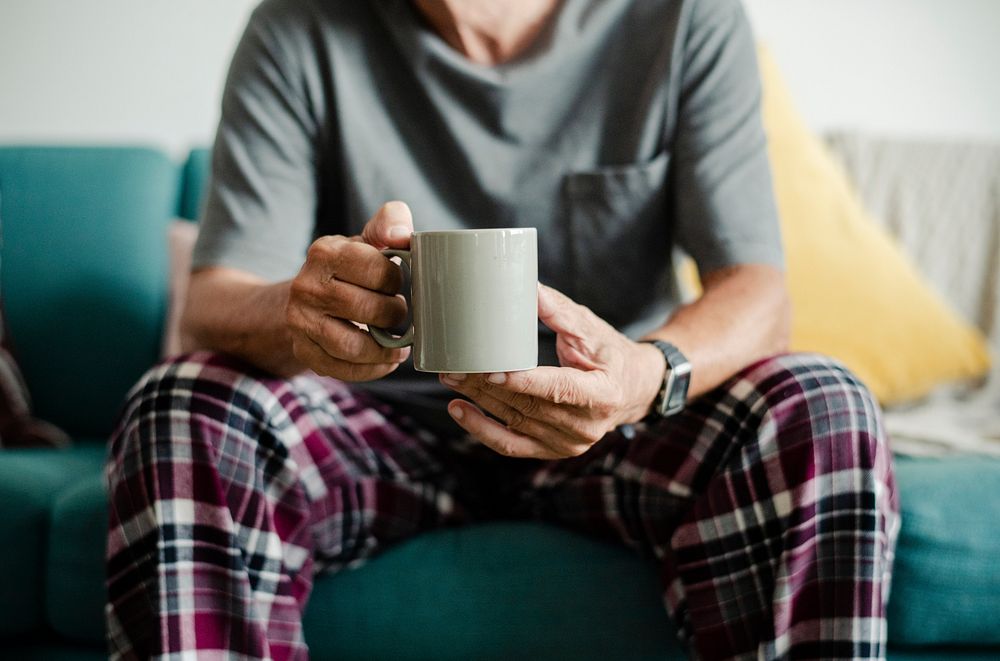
497, 378
398, 232
453, 379
456, 411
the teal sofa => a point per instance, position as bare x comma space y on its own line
83, 271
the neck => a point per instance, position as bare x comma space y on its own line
486, 31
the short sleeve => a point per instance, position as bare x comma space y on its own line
724, 206
260, 211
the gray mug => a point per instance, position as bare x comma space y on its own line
474, 300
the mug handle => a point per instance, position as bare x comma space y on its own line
382, 336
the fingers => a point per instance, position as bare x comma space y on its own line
516, 420
336, 258
545, 408
390, 227
496, 436
343, 340
343, 281
566, 427
558, 385
313, 355
346, 301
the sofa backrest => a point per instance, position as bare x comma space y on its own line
83, 273
197, 171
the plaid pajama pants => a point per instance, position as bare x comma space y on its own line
769, 504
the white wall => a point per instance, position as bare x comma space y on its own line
915, 67
115, 70
151, 70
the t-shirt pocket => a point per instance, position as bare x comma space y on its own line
619, 237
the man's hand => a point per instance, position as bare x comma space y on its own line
604, 380
346, 282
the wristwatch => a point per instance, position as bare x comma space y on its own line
673, 394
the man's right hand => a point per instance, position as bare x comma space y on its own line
345, 282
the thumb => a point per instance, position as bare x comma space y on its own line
558, 311
579, 332
390, 227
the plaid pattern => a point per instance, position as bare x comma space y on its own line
769, 503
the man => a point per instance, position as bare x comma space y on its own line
619, 129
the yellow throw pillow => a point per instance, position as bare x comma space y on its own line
855, 295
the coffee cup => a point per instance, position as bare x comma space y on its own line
474, 300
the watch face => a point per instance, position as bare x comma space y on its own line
676, 395
673, 396
664, 402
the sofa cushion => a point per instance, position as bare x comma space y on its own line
84, 273
74, 586
495, 591
195, 184
504, 588
46, 650
946, 583
29, 483
18, 428
943, 654
478, 592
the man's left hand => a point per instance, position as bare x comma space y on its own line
604, 380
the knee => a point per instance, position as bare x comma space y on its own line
183, 394
814, 403
824, 427
170, 386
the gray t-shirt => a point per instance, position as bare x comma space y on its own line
627, 128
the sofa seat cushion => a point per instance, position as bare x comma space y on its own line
946, 583
493, 591
74, 587
30, 481
489, 591
500, 589
47, 650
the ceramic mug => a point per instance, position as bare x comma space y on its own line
474, 300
